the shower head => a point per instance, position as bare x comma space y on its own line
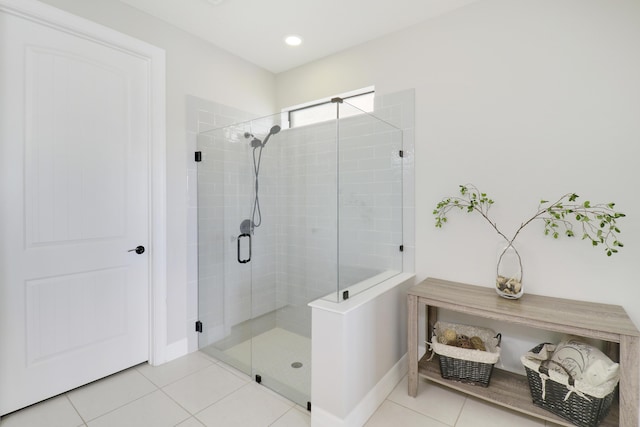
274, 129
255, 142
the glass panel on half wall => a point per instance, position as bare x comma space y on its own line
370, 200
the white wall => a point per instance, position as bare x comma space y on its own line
528, 100
193, 67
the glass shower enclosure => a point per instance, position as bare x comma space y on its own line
285, 217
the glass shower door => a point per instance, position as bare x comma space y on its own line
225, 246
280, 344
252, 307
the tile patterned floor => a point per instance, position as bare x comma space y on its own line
197, 391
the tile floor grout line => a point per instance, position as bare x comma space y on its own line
286, 351
66, 395
249, 380
293, 408
194, 417
466, 399
286, 412
197, 372
75, 409
178, 403
176, 380
377, 409
122, 406
125, 404
277, 395
206, 407
235, 371
413, 410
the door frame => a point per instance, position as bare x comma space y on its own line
155, 58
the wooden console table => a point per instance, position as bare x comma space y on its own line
609, 323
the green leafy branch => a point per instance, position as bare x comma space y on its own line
597, 222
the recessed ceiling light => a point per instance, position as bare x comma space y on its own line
293, 40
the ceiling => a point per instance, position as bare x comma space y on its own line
255, 29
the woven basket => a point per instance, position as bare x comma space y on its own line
561, 394
466, 365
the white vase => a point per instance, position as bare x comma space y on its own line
509, 272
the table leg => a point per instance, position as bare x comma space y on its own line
612, 350
629, 388
412, 343
432, 318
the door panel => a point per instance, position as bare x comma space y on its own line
76, 147
70, 312
74, 143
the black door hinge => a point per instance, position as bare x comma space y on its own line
198, 156
401, 153
309, 406
258, 379
199, 326
345, 295
401, 248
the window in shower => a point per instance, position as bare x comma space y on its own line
324, 110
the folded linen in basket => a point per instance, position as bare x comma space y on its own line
585, 362
541, 355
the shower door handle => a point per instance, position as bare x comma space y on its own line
240, 260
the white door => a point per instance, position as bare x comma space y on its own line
74, 196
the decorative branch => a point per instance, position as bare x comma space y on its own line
598, 222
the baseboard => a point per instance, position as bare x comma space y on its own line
322, 418
368, 405
176, 349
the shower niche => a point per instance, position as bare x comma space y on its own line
286, 217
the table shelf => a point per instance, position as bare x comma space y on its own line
505, 389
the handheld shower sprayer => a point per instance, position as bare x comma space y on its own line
255, 142
274, 129
248, 225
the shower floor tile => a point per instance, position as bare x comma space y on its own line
273, 352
